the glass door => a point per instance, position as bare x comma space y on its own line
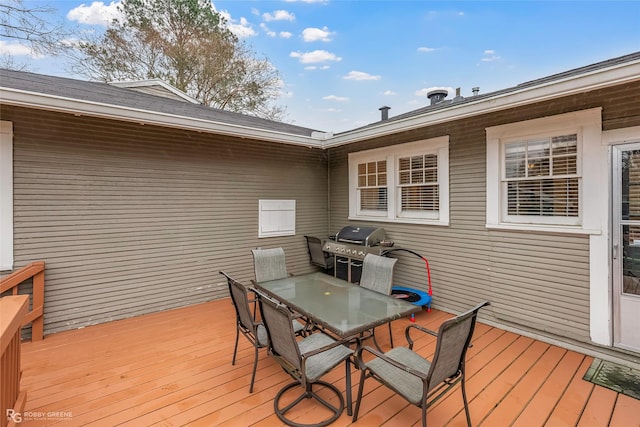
626, 246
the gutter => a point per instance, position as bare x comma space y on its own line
500, 100
525, 94
21, 98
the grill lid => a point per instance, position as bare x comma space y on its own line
365, 236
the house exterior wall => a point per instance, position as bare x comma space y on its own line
538, 281
133, 219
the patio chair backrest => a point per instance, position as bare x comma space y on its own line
282, 339
377, 273
454, 337
317, 255
269, 264
240, 298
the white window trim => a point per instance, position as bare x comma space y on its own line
588, 125
6, 195
438, 145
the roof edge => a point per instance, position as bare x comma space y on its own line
22, 98
501, 100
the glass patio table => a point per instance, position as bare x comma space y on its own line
341, 307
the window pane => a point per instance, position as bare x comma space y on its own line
420, 198
565, 165
515, 160
545, 197
405, 177
538, 167
515, 151
631, 185
382, 166
538, 148
404, 164
417, 177
515, 168
373, 199
417, 162
565, 144
631, 259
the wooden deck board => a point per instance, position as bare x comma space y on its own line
174, 368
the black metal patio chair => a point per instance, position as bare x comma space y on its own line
317, 256
418, 380
306, 361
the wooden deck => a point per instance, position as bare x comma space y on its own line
174, 368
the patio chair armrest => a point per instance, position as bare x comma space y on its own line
363, 365
322, 349
407, 333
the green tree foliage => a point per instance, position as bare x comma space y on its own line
187, 44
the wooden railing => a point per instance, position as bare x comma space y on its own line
13, 310
34, 270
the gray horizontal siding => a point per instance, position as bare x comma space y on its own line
135, 219
538, 281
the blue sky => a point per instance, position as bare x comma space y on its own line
340, 61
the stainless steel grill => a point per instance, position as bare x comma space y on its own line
350, 246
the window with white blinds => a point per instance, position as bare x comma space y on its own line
546, 173
418, 183
372, 186
541, 177
401, 183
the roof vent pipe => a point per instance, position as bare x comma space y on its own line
458, 96
437, 95
475, 90
384, 112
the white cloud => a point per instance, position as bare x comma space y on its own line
15, 49
334, 110
279, 15
335, 98
267, 31
241, 28
315, 56
316, 34
426, 49
359, 75
285, 34
97, 13
490, 56
389, 93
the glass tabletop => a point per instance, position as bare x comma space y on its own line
342, 307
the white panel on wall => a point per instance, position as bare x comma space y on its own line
277, 218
